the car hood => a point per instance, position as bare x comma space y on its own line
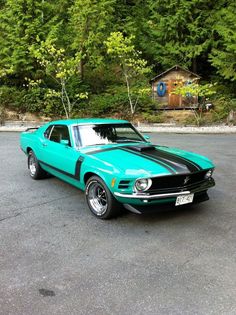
146, 160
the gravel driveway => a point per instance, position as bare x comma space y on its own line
56, 258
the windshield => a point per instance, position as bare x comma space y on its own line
87, 135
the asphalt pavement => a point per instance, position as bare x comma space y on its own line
56, 258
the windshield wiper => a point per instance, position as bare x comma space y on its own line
90, 145
127, 140
117, 141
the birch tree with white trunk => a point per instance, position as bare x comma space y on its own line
133, 66
60, 68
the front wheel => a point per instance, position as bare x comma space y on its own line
100, 200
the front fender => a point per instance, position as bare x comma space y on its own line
107, 172
105, 175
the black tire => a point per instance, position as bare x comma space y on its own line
100, 200
36, 171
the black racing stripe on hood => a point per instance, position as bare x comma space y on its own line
180, 168
150, 158
166, 159
179, 164
132, 152
192, 166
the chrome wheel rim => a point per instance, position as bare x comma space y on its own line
32, 165
97, 198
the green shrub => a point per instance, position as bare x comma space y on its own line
51, 106
33, 100
2, 115
21, 100
222, 107
153, 118
9, 97
103, 105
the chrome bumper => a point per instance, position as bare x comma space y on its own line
146, 196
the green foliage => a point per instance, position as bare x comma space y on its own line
55, 62
113, 103
52, 53
2, 110
32, 100
61, 68
194, 89
223, 55
133, 67
153, 118
90, 23
178, 32
122, 49
22, 22
101, 105
222, 108
11, 98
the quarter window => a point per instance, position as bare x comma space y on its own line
47, 132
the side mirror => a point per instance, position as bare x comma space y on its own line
64, 142
146, 137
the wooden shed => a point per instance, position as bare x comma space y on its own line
163, 84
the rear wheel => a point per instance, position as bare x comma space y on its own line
36, 171
100, 200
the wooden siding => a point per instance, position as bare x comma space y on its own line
171, 79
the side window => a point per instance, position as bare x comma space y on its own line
47, 132
59, 133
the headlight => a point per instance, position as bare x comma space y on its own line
209, 174
142, 184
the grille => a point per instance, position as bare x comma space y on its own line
177, 181
124, 184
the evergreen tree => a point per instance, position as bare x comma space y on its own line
197, 34
21, 22
178, 31
24, 23
91, 22
223, 55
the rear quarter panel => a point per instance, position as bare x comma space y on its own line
31, 140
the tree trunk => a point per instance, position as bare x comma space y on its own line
62, 100
128, 92
81, 69
194, 65
68, 103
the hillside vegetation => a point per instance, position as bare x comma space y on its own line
96, 57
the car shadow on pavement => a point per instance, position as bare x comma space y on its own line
169, 212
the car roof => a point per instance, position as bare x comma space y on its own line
88, 121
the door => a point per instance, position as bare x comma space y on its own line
174, 100
57, 152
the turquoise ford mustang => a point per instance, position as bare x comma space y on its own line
115, 165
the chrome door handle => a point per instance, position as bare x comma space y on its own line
44, 144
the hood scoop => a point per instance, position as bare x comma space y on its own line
141, 148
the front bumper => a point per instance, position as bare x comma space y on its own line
150, 207
182, 191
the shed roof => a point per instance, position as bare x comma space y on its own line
176, 67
